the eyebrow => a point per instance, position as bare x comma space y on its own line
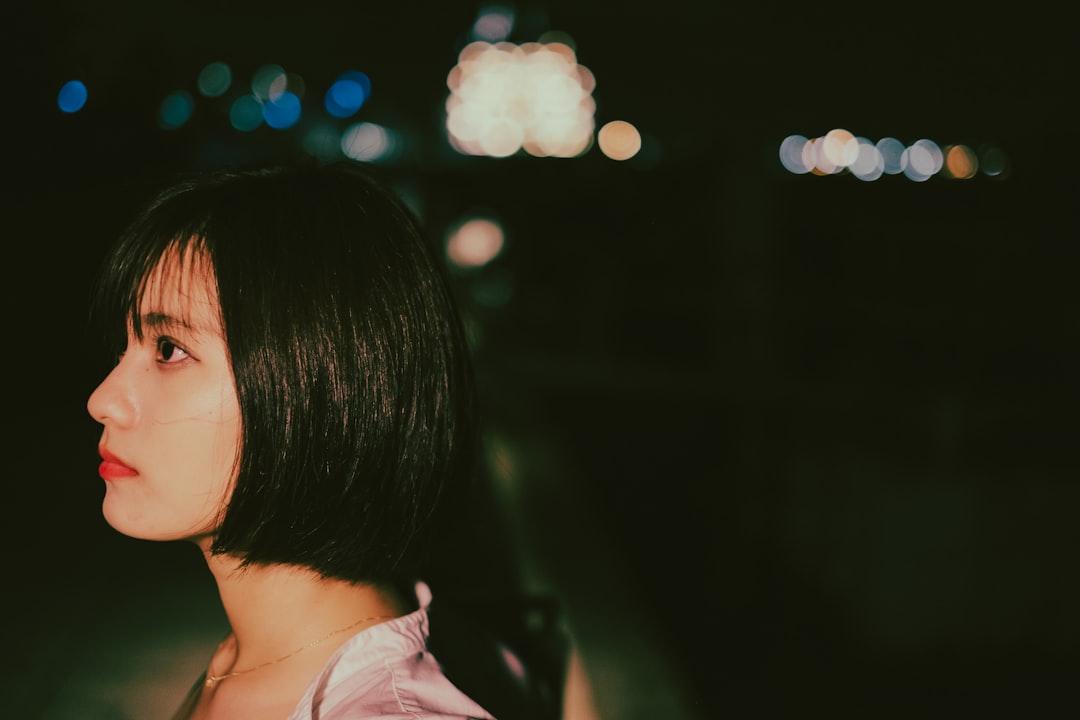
164, 321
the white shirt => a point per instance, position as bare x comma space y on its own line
386, 673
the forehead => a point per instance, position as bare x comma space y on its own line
182, 286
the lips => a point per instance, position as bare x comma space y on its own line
113, 468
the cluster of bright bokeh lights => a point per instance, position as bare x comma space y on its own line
505, 98
532, 98
840, 151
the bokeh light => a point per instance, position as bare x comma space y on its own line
72, 96
370, 142
175, 110
891, 151
922, 160
839, 148
347, 94
994, 162
214, 79
619, 140
961, 162
322, 141
475, 242
282, 111
287, 82
246, 113
868, 165
264, 79
791, 154
493, 23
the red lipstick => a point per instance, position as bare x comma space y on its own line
113, 468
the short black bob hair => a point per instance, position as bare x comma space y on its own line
348, 353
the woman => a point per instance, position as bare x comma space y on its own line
293, 395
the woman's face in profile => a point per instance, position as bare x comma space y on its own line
169, 411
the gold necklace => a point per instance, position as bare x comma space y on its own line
212, 680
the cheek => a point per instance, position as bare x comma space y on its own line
194, 401
224, 457
200, 441
222, 441
198, 479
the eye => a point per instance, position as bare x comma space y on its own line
169, 352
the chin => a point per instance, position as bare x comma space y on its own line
142, 525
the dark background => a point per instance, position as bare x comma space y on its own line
816, 434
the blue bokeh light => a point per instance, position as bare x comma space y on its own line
283, 111
72, 96
348, 93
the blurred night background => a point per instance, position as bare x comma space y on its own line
785, 432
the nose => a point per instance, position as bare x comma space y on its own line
114, 400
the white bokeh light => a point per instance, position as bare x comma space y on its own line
505, 98
369, 142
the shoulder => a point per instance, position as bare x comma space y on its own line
387, 672
404, 688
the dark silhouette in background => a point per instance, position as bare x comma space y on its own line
780, 444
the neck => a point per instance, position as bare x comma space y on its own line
275, 609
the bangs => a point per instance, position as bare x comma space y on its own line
134, 279
182, 276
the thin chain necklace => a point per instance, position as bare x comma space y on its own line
212, 680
